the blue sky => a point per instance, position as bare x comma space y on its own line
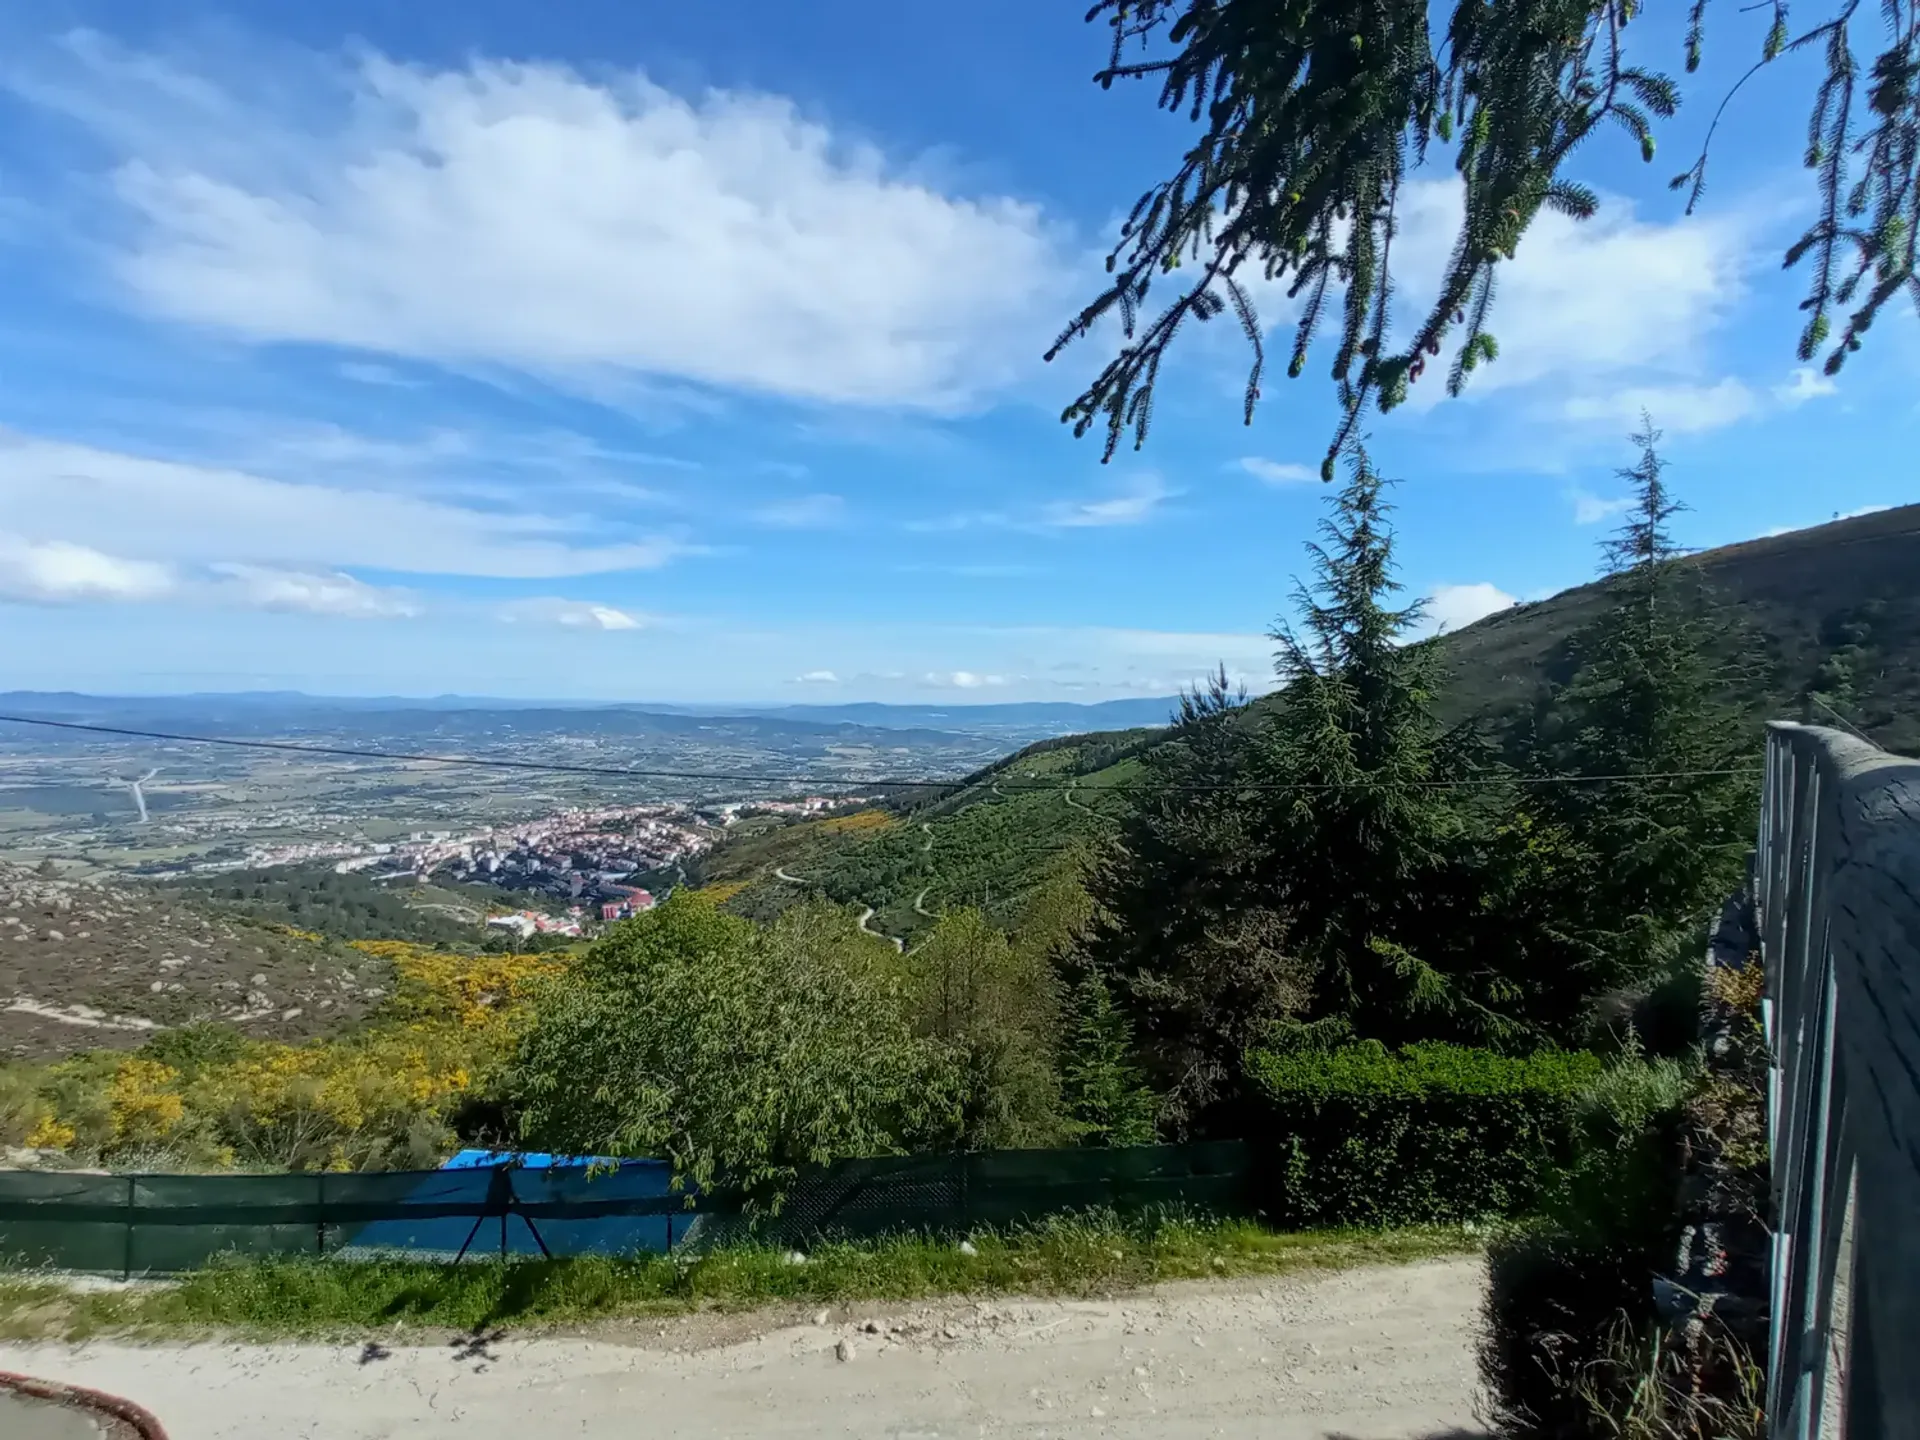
641, 351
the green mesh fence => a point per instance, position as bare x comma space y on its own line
137, 1224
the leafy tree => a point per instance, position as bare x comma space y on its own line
1186, 939
1315, 116
1106, 1097
995, 1009
1646, 700
737, 1053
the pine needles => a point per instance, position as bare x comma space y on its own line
1315, 114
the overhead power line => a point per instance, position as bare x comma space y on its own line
823, 782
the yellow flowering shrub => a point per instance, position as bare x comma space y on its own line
50, 1134
375, 1102
476, 992
859, 821
144, 1105
720, 894
207, 1097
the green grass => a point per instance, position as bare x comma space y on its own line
1076, 1256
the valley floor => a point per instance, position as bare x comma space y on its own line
1382, 1353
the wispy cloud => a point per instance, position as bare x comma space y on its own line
1133, 503
1279, 472
569, 614
1141, 498
817, 677
961, 680
1678, 409
1803, 385
599, 232
168, 512
983, 571
367, 372
807, 512
1591, 509
259, 587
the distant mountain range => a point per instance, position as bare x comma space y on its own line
473, 718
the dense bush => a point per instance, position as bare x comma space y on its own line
995, 1007
1363, 1135
1569, 1293
206, 1097
737, 1052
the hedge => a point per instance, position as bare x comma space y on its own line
1364, 1136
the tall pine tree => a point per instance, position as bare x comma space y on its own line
1186, 941
1646, 703
1359, 829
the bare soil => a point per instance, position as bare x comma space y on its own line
1369, 1354
86, 965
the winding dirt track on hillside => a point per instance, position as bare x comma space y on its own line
1370, 1354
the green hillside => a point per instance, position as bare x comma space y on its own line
1843, 596
982, 843
1796, 601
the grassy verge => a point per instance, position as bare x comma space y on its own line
1077, 1256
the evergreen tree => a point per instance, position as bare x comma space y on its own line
1185, 937
1359, 829
1315, 116
1106, 1097
1646, 699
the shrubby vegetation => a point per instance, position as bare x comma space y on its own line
390, 1094
1433, 1132
736, 1051
1431, 978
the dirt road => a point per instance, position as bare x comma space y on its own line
1380, 1354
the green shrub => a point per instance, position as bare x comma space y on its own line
736, 1052
1363, 1136
1568, 1290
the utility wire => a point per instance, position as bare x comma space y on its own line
842, 781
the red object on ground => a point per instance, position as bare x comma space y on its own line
59, 1393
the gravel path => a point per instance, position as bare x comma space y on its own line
1375, 1354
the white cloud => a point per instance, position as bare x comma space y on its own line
961, 679
1804, 385
1134, 504
817, 677
599, 232
52, 572
167, 512
1591, 509
369, 373
570, 614
1581, 299
1279, 472
1676, 409
1449, 607
807, 512
259, 587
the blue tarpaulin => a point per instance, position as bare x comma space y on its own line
533, 1177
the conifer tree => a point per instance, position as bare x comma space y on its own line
1359, 830
1185, 939
1647, 700
1106, 1097
1315, 117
